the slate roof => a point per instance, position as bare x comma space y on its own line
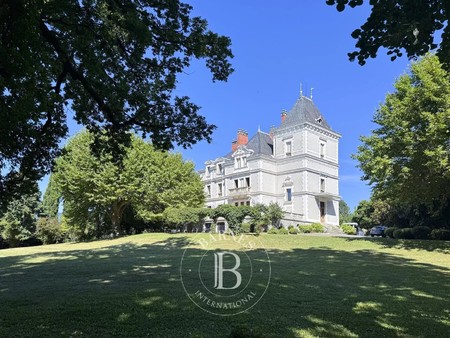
261, 143
304, 110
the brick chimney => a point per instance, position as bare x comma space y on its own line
242, 139
283, 115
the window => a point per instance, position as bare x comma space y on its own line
288, 148
241, 183
247, 203
220, 168
236, 204
288, 194
208, 171
240, 162
322, 184
242, 203
247, 181
322, 148
219, 189
236, 184
208, 190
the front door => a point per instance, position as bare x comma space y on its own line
322, 212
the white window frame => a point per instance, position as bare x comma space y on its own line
323, 148
324, 185
288, 147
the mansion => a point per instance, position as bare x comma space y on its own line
294, 165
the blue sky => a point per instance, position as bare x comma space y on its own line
277, 46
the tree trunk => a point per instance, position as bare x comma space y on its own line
116, 214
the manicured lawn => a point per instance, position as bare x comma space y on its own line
320, 286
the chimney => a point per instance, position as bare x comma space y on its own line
242, 139
233, 145
283, 115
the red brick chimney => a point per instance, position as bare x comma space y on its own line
242, 139
283, 115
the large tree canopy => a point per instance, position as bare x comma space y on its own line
401, 25
97, 190
113, 63
407, 158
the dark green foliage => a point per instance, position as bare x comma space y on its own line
305, 228
421, 232
283, 231
389, 232
233, 214
440, 234
348, 229
273, 231
274, 214
405, 233
401, 26
114, 64
18, 223
49, 230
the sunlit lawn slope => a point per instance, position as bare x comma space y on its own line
321, 286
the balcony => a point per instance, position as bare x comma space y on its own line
239, 192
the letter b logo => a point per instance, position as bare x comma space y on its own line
219, 270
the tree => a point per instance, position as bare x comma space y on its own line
113, 63
363, 214
184, 216
407, 158
344, 212
18, 223
50, 202
233, 214
274, 214
400, 25
97, 189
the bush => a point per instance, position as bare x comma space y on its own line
245, 228
293, 231
49, 231
421, 232
440, 234
283, 231
389, 232
348, 229
317, 227
405, 233
303, 228
273, 231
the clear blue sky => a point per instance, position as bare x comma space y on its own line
278, 45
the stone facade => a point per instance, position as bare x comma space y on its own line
295, 165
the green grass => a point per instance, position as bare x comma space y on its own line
321, 286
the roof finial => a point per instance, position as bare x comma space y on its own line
301, 89
311, 93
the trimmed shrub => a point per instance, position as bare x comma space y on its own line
273, 231
306, 229
317, 227
348, 229
245, 228
389, 232
293, 231
421, 232
440, 234
283, 231
405, 233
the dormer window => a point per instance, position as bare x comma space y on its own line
240, 162
220, 168
319, 120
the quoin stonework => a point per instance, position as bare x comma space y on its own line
295, 165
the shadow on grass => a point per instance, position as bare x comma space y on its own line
408, 244
135, 291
